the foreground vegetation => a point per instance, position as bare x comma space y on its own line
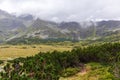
93, 71
53, 65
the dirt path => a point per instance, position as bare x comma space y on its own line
83, 71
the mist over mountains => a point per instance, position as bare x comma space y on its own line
27, 26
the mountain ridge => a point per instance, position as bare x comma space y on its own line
26, 25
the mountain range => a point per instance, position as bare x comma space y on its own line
13, 27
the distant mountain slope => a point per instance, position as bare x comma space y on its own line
12, 27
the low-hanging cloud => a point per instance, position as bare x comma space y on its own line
64, 10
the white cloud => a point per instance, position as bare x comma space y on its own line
69, 10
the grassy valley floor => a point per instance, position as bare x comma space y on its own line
15, 51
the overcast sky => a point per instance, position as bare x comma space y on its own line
65, 10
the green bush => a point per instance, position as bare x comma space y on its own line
52, 65
70, 71
1, 61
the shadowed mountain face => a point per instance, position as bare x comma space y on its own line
4, 15
10, 24
26, 17
69, 25
109, 24
26, 25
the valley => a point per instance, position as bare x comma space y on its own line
32, 48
